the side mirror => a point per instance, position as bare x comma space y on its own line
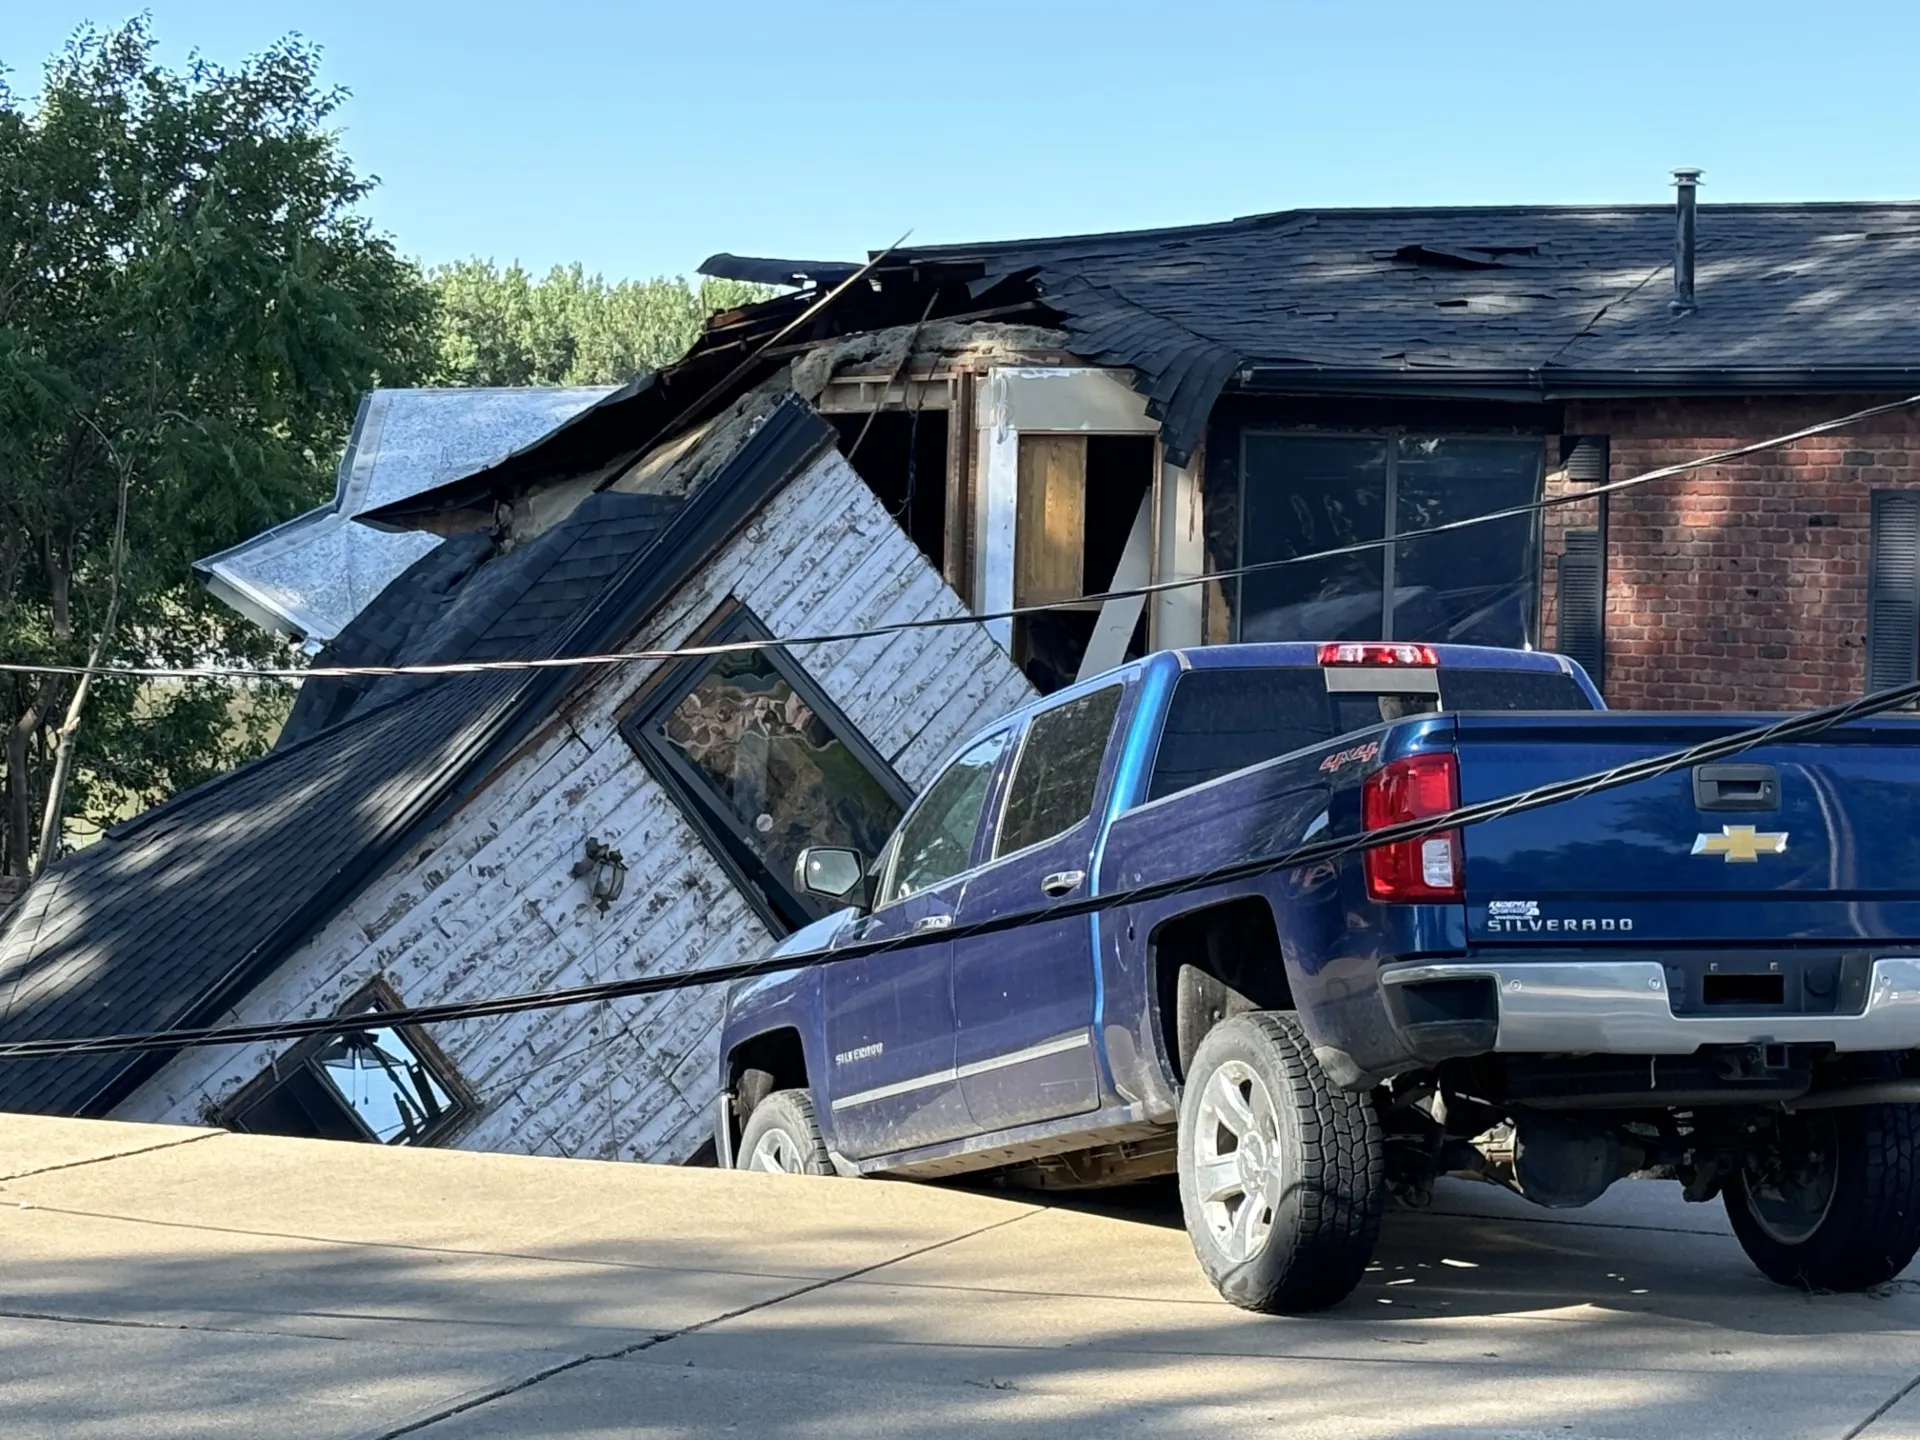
834, 874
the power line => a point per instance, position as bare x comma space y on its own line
1793, 727
688, 652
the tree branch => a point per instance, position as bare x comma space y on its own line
70, 725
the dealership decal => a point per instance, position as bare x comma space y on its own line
1523, 917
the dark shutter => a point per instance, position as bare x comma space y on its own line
1585, 458
1893, 590
1583, 594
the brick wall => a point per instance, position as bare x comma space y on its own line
1737, 586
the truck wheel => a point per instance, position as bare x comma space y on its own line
1836, 1204
1282, 1175
783, 1136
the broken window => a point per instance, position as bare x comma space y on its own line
763, 765
1303, 494
379, 1083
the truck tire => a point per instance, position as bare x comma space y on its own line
1282, 1175
783, 1135
1839, 1208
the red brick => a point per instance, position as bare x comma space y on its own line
1720, 595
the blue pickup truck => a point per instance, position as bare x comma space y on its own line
1712, 976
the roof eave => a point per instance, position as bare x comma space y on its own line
1553, 383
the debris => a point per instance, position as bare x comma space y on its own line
881, 352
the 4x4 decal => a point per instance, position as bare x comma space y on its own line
1347, 757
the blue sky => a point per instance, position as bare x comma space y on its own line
638, 138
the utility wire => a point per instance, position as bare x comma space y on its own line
1358, 547
1793, 727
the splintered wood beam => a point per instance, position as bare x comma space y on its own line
1120, 617
1050, 520
957, 566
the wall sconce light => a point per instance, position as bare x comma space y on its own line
608, 867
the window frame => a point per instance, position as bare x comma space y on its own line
1102, 781
996, 785
370, 999
1392, 436
770, 895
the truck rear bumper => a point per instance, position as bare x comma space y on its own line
1625, 1007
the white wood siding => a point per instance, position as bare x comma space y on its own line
487, 904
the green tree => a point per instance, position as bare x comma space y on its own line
190, 306
503, 327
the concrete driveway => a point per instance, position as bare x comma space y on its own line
165, 1282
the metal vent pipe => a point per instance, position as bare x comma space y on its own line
1685, 184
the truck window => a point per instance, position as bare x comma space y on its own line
1511, 690
1219, 721
1058, 770
936, 839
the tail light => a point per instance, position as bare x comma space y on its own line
1413, 788
1378, 652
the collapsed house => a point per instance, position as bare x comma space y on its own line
1008, 432
415, 839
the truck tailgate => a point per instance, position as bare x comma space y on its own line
1810, 840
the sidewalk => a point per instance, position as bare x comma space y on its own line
165, 1282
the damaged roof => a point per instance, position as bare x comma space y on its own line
178, 913
1528, 302
1522, 303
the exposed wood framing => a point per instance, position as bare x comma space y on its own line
1050, 520
1033, 400
860, 394
1179, 553
957, 566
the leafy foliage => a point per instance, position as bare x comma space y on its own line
503, 327
190, 303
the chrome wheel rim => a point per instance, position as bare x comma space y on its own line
1792, 1197
776, 1152
1235, 1152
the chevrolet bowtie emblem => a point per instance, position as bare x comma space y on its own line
1741, 844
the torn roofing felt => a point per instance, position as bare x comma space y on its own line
178, 913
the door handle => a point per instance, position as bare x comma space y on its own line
931, 922
1736, 787
1062, 882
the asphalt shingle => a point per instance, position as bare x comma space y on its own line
1548, 300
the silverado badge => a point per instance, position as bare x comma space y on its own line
1741, 844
